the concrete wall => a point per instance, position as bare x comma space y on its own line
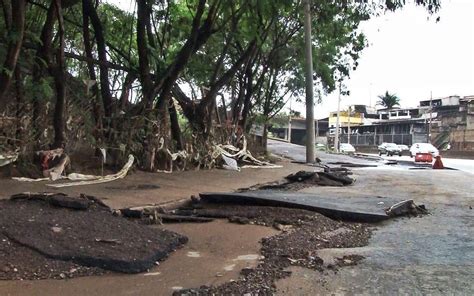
344, 118
462, 140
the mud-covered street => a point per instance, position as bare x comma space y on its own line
266, 250
249, 147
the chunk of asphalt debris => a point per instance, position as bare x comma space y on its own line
406, 208
322, 178
91, 237
69, 202
300, 176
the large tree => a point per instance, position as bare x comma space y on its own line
188, 72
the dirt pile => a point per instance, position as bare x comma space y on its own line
40, 238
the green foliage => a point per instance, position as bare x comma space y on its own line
388, 100
271, 73
42, 91
280, 120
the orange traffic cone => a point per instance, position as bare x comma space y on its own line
438, 164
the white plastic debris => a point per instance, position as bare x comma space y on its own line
8, 158
81, 179
89, 181
230, 164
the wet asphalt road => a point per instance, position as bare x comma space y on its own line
429, 255
298, 153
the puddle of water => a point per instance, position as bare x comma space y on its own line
176, 288
194, 254
229, 267
250, 257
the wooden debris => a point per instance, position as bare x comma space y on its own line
179, 218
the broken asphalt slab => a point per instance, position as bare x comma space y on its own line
89, 237
360, 208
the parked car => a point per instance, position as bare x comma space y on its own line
390, 149
347, 148
382, 146
404, 147
423, 148
320, 147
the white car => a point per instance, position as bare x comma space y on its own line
346, 148
390, 149
403, 147
423, 148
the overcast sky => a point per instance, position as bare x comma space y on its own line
409, 55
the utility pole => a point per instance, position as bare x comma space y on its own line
317, 127
289, 128
309, 84
349, 126
431, 116
289, 123
336, 139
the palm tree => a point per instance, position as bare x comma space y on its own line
388, 100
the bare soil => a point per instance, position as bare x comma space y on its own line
301, 234
39, 240
22, 263
140, 188
294, 246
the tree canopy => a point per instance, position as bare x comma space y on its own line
182, 74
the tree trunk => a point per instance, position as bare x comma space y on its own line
237, 104
248, 97
197, 37
265, 136
43, 56
143, 61
175, 129
126, 87
91, 69
58, 72
20, 101
17, 31
7, 13
90, 11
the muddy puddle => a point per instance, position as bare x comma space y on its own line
215, 253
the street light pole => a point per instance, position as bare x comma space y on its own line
336, 139
309, 84
289, 124
431, 117
349, 126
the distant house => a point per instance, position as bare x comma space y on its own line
397, 125
346, 118
441, 121
453, 125
297, 130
